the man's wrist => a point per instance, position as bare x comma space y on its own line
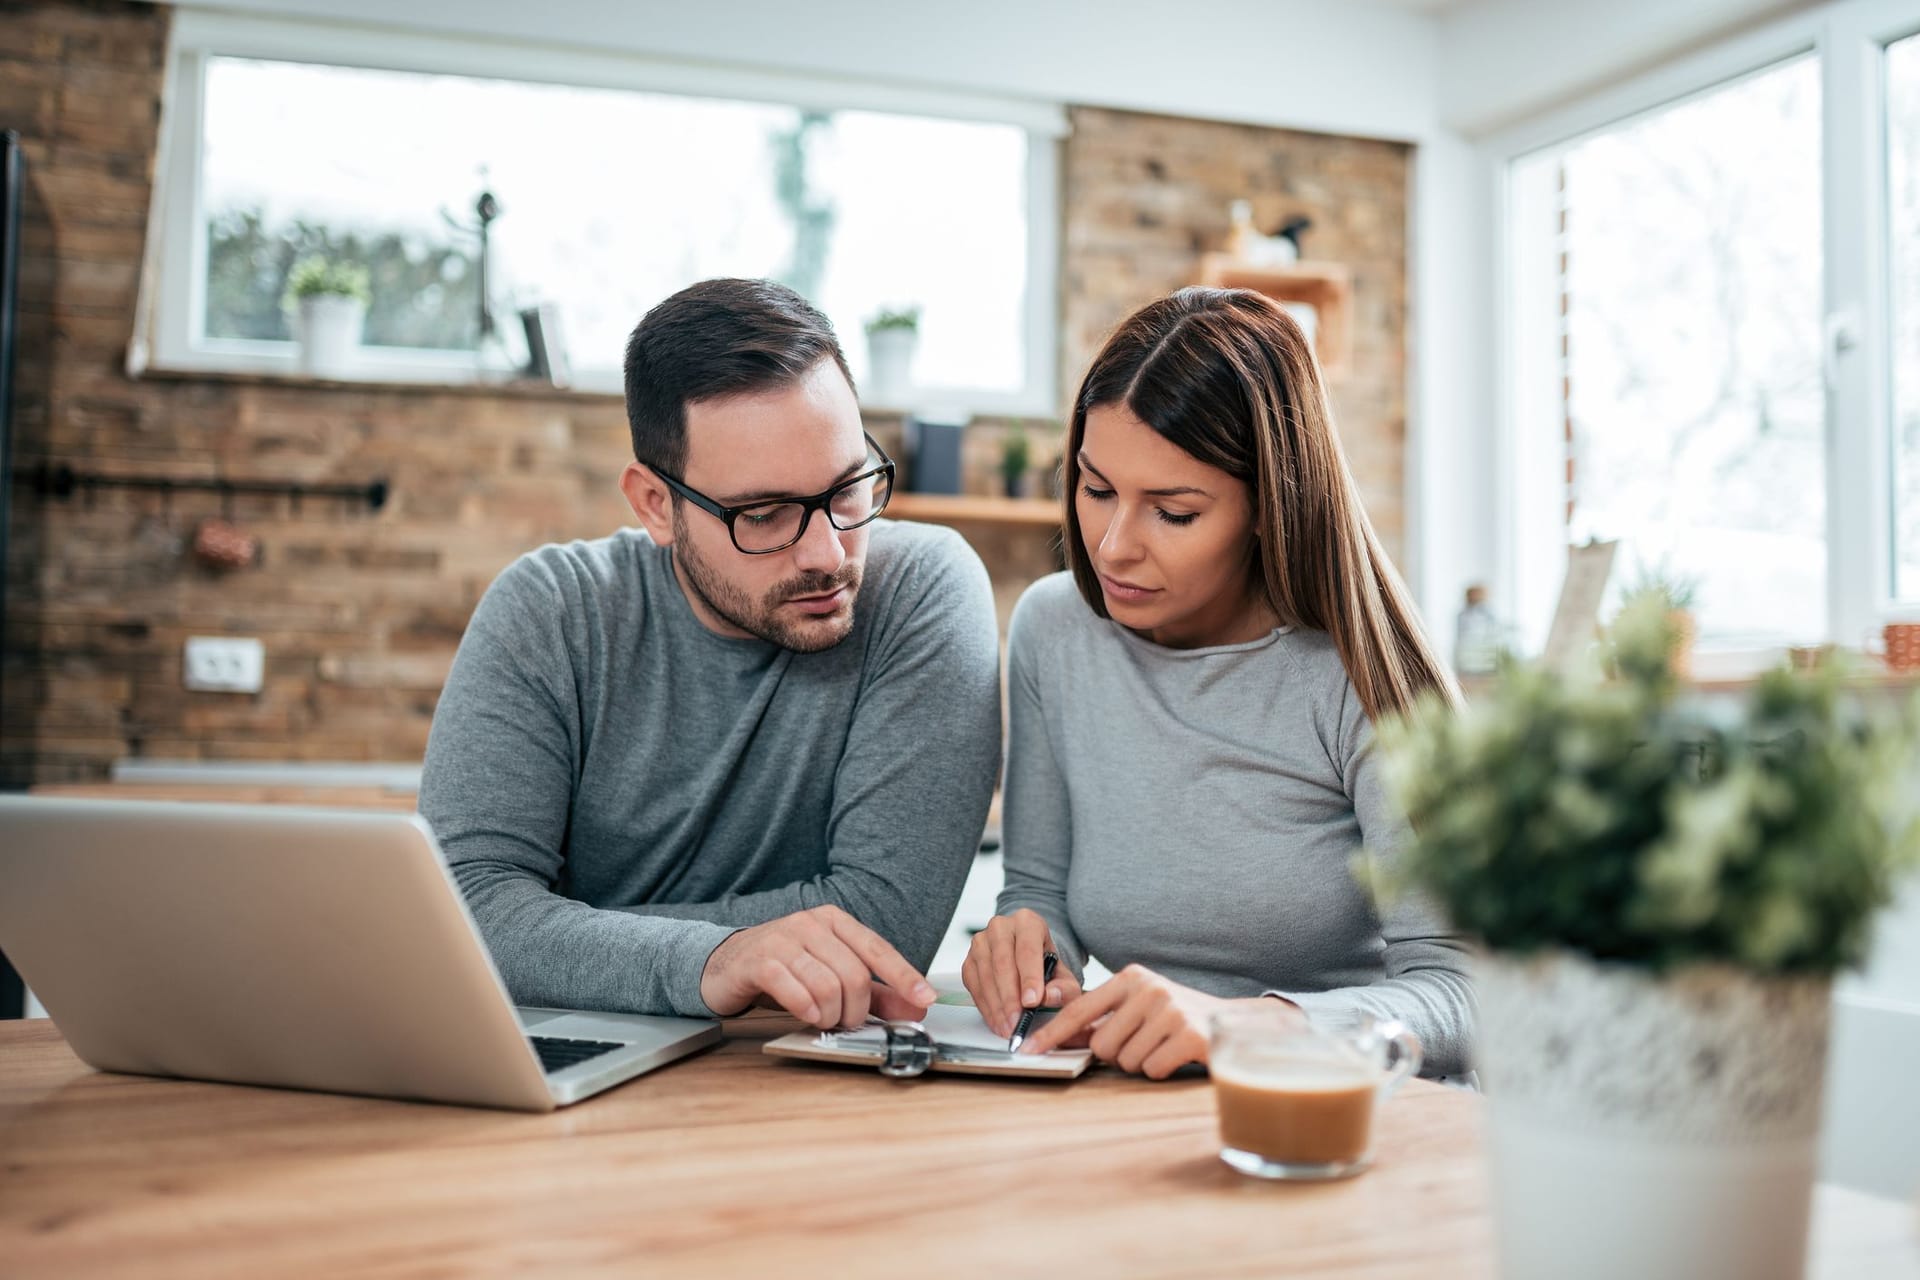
699, 1006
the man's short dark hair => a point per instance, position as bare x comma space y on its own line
716, 338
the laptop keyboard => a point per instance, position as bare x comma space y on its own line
557, 1054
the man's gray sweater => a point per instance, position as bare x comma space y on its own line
617, 788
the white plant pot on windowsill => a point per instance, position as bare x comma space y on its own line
327, 327
890, 365
1650, 1126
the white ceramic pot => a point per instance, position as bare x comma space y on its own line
327, 327
1650, 1126
890, 365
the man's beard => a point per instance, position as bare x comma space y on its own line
806, 633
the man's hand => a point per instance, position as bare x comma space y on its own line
1137, 1020
819, 965
1003, 967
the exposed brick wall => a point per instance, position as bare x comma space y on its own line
1144, 196
360, 612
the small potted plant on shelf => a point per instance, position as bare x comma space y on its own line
1016, 455
1664, 890
893, 335
328, 299
1675, 593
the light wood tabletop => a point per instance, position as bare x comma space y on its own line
732, 1163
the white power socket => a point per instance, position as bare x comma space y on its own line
225, 664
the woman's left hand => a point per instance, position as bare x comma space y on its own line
1137, 1020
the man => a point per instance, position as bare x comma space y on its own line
743, 753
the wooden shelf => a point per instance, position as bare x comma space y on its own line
964, 508
1325, 286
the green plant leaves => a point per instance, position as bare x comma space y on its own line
315, 276
1624, 819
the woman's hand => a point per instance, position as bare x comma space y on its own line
1139, 1021
1003, 970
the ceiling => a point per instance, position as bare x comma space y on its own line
1428, 6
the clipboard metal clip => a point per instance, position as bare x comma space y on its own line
909, 1052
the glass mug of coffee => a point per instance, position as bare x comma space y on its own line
1297, 1095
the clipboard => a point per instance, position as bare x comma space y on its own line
949, 1039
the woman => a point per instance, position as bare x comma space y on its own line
1190, 778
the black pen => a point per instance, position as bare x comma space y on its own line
1021, 1027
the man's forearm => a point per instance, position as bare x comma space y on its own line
913, 923
554, 952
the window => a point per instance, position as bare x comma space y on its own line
1689, 282
1711, 320
1903, 225
612, 194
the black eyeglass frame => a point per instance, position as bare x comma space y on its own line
818, 502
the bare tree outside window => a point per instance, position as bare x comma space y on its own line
1693, 295
809, 209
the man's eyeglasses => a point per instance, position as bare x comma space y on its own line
761, 528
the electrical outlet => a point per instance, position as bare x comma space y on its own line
225, 664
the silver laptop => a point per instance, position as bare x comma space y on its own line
302, 948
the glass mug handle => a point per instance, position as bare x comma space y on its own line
1403, 1054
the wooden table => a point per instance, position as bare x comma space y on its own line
735, 1164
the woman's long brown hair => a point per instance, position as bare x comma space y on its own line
1229, 376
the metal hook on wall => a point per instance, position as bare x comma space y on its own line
60, 481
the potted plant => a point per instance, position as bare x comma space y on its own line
1675, 593
1664, 889
329, 304
893, 334
1016, 454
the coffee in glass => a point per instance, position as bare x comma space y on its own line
1297, 1096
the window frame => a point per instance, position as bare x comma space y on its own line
1848, 38
170, 320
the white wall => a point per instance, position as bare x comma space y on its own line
1450, 493
1502, 59
1873, 1113
1352, 68
1893, 972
